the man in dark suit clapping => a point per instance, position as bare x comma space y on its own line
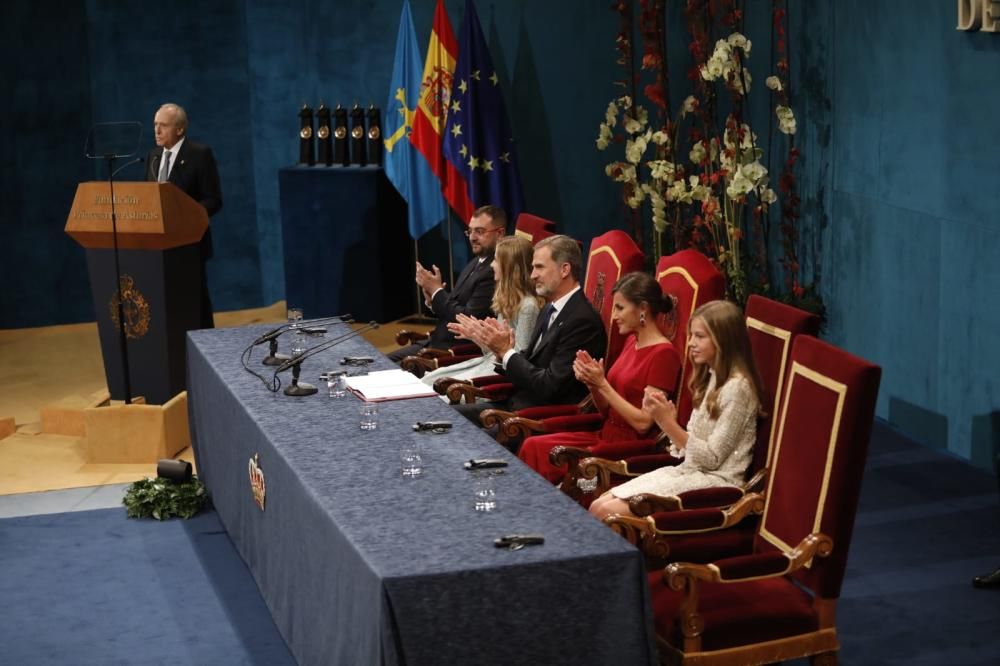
473, 291
191, 167
542, 374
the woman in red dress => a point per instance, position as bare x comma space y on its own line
648, 359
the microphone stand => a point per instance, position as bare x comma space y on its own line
297, 389
122, 341
273, 357
271, 337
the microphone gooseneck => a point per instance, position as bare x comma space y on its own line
296, 360
276, 332
137, 160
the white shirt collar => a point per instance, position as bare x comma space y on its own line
561, 303
173, 151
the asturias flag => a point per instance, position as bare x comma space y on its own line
408, 171
477, 137
435, 89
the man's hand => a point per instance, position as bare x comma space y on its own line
498, 337
429, 281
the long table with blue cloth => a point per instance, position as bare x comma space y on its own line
359, 565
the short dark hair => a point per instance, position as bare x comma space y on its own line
496, 214
564, 250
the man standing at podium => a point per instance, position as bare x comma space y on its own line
191, 167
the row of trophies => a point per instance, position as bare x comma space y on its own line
365, 146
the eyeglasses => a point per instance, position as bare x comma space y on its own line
469, 233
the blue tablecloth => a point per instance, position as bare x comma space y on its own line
361, 566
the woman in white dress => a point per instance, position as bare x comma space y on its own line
514, 302
718, 444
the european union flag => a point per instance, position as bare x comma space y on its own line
477, 138
405, 167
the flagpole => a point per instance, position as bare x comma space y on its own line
417, 290
451, 253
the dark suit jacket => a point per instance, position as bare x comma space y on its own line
195, 173
471, 295
544, 374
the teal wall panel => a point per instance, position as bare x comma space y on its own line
911, 252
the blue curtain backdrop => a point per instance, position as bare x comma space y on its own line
898, 174
242, 68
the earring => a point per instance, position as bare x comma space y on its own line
642, 319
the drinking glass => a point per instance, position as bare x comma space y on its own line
298, 344
368, 416
410, 460
336, 383
484, 491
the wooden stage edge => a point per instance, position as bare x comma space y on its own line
54, 435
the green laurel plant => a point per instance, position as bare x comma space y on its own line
161, 499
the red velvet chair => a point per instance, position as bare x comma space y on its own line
692, 280
772, 327
777, 600
612, 255
534, 228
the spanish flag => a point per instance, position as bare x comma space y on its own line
435, 98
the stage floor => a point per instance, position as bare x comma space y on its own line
62, 365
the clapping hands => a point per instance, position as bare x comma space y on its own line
663, 411
588, 371
487, 333
429, 281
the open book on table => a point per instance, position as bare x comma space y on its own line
388, 385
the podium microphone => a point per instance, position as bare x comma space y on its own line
295, 363
138, 160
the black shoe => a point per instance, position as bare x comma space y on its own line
988, 581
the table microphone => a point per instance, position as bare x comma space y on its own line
295, 363
274, 333
271, 337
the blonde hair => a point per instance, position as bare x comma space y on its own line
513, 257
724, 321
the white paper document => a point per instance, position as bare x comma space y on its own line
389, 385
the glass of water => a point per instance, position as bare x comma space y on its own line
484, 491
336, 383
298, 344
410, 460
368, 416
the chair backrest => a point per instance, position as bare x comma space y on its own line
612, 255
772, 326
692, 280
819, 457
534, 228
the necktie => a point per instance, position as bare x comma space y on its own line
546, 318
164, 167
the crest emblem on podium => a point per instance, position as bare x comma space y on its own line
134, 307
257, 485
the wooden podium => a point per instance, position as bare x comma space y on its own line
159, 228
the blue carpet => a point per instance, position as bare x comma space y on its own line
94, 587
927, 523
